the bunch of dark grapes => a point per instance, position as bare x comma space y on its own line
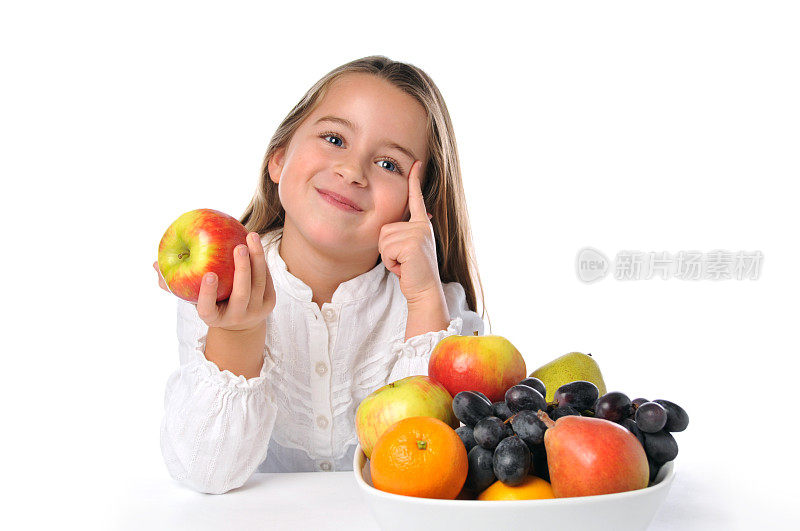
505, 440
652, 422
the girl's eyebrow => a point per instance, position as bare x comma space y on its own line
351, 125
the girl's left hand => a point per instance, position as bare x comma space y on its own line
408, 248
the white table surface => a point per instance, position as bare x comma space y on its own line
311, 500
321, 500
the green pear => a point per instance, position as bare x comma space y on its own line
568, 368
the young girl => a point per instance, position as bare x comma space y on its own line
357, 264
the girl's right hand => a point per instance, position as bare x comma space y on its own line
253, 295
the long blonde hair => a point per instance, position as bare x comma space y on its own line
442, 189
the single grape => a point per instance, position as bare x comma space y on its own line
519, 397
634, 429
469, 407
480, 471
677, 418
650, 417
638, 402
660, 447
482, 396
539, 462
536, 383
563, 411
528, 427
501, 411
654, 468
467, 437
579, 394
489, 432
613, 406
511, 461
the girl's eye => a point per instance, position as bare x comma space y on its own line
393, 167
326, 136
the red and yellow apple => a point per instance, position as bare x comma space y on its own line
588, 456
414, 396
489, 364
199, 242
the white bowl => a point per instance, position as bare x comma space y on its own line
623, 511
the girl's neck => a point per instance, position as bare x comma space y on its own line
320, 271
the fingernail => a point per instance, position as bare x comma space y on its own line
210, 278
243, 250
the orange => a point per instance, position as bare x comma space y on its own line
532, 488
419, 456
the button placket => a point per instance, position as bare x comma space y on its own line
321, 383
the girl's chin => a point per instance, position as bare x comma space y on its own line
329, 235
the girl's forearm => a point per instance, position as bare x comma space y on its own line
238, 351
428, 315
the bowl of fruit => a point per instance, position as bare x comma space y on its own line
546, 451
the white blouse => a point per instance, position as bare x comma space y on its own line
298, 415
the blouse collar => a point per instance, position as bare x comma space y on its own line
356, 288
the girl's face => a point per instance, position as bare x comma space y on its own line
359, 143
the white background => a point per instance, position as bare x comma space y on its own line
622, 126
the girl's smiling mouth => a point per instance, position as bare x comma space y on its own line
338, 201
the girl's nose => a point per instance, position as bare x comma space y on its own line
351, 173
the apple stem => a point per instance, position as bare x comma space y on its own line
182, 255
544, 417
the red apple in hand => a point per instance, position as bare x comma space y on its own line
489, 364
199, 242
588, 456
413, 396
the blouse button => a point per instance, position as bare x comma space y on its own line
325, 466
322, 422
321, 368
329, 314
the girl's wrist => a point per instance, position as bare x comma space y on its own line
239, 351
432, 296
427, 314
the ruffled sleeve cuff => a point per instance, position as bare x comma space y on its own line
209, 373
414, 353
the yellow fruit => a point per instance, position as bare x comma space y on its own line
532, 488
569, 368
